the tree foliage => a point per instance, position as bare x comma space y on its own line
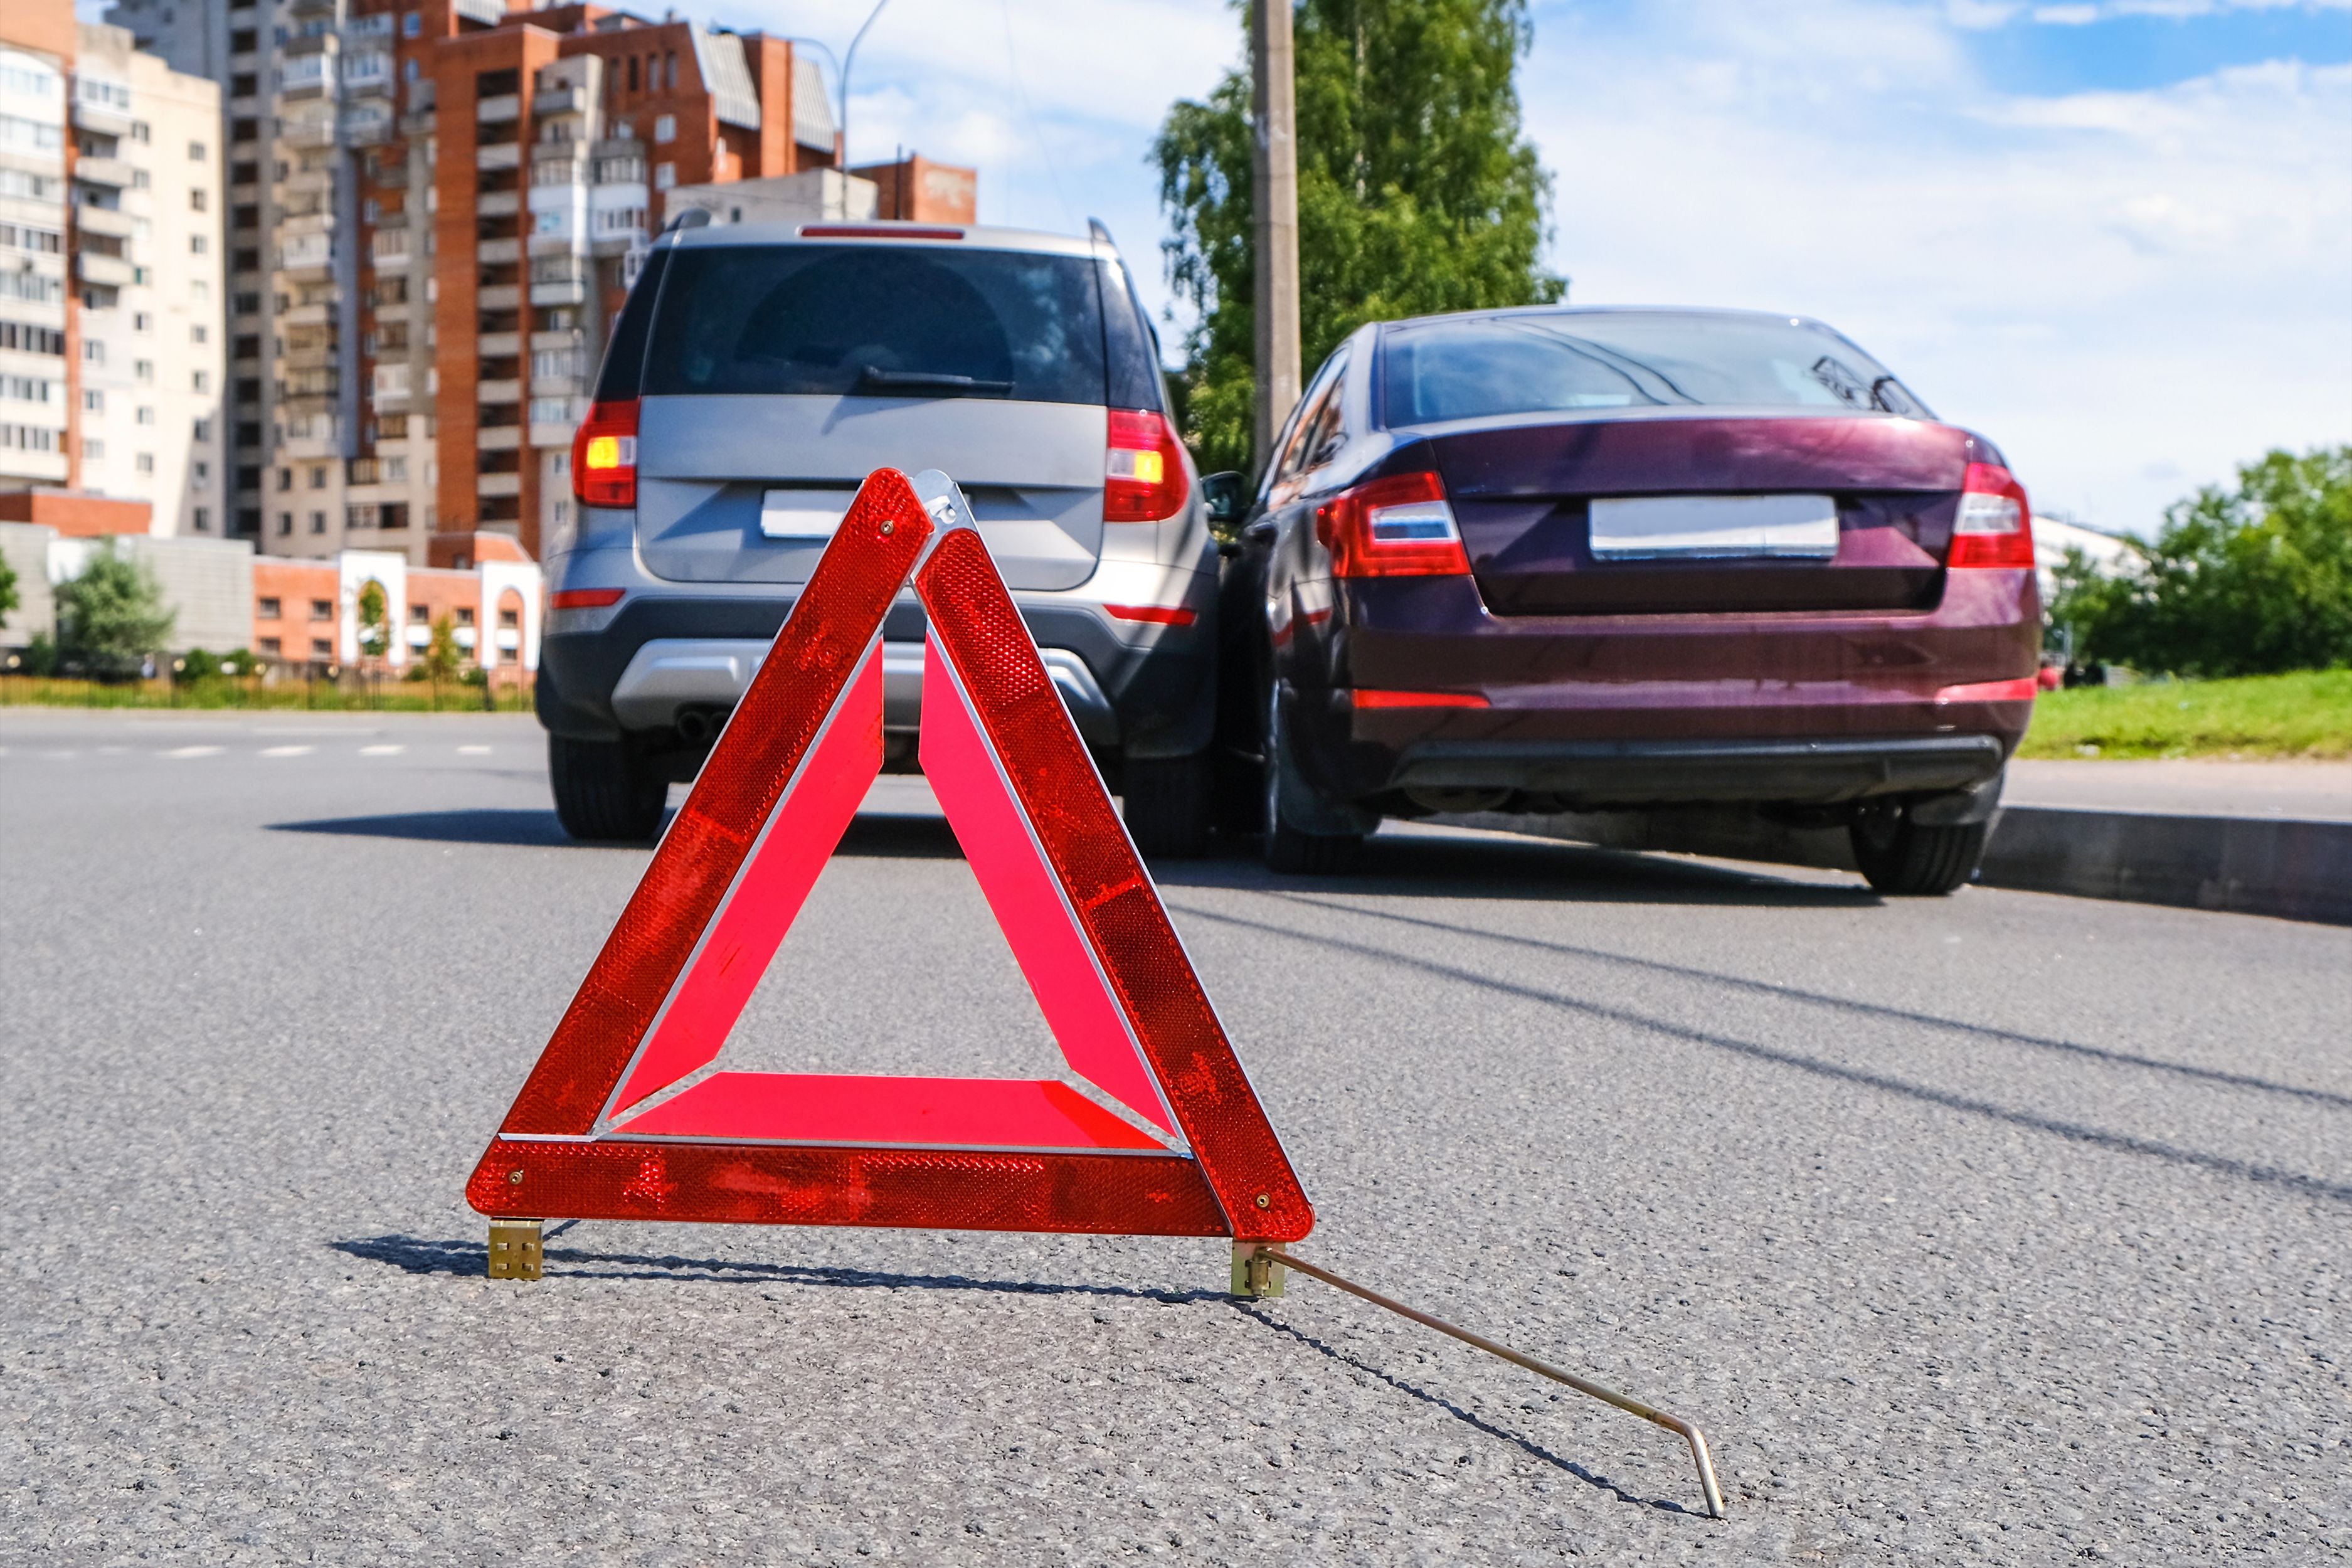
2247, 581
442, 659
111, 617
8, 599
374, 605
1417, 193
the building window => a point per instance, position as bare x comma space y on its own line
141, 321
318, 522
284, 478
420, 615
201, 380
93, 400
323, 609
267, 607
138, 180
203, 520
204, 431
92, 451
139, 131
144, 369
665, 128
196, 332
198, 244
272, 647
144, 462
285, 523
465, 614
200, 472
146, 416
509, 619
664, 177
93, 352
196, 156
318, 477
322, 648
411, 24
197, 198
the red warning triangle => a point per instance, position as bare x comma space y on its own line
591, 1137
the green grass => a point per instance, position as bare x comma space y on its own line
2302, 715
227, 691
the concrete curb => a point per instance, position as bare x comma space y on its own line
2289, 868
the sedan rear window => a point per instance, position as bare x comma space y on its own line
1570, 360
877, 321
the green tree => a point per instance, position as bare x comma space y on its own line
442, 657
112, 615
2249, 580
1417, 193
373, 606
8, 599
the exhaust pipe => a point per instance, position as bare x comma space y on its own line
695, 727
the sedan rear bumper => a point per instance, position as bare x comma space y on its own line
1593, 774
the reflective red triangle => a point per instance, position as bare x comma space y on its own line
586, 1137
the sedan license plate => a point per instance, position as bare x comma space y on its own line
1650, 527
803, 514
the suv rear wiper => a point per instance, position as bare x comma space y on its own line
931, 381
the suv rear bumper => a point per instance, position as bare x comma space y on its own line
1592, 773
1143, 691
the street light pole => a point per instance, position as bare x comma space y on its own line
848, 63
1274, 168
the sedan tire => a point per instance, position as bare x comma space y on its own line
1288, 848
601, 793
1165, 801
1904, 858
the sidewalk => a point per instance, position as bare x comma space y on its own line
2309, 792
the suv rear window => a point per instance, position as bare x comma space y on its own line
1563, 361
911, 321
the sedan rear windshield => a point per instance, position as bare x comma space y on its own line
1565, 362
877, 321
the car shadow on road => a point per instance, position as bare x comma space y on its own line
414, 1255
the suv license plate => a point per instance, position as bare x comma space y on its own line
1645, 528
801, 514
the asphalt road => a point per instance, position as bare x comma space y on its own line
2006, 1228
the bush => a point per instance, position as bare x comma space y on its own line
2257, 581
41, 655
112, 617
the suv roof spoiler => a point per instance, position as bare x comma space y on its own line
1096, 230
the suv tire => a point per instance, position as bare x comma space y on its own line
1904, 858
1165, 801
1288, 848
601, 793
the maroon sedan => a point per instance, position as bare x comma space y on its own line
1575, 560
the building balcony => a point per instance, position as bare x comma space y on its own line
559, 386
308, 182
313, 315
562, 100
498, 391
107, 221
296, 360
311, 446
47, 467
556, 338
499, 438
498, 156
104, 120
107, 271
368, 129
384, 257
497, 252
311, 133
497, 110
546, 244
497, 203
319, 220
304, 405
560, 291
498, 485
112, 173
552, 438
306, 265
499, 297
500, 345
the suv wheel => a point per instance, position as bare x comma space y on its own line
1290, 849
1914, 859
1166, 803
602, 791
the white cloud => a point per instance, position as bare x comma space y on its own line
2101, 282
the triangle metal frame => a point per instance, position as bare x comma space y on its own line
590, 1134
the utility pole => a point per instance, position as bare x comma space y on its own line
1274, 168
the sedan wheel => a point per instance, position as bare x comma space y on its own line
1287, 848
1914, 859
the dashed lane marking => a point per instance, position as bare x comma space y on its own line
473, 751
288, 751
382, 751
194, 752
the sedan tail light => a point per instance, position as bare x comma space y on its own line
604, 455
1996, 525
1143, 469
1394, 527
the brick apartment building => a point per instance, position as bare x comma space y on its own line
434, 210
111, 358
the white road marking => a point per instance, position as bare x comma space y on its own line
382, 751
473, 751
194, 752
288, 751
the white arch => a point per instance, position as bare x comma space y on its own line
523, 577
358, 568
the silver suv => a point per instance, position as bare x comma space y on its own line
757, 373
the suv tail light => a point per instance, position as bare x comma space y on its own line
1143, 469
1395, 527
604, 455
1995, 526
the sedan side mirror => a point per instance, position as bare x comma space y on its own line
1222, 495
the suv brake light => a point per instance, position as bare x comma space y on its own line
1400, 526
1995, 527
1143, 469
604, 455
